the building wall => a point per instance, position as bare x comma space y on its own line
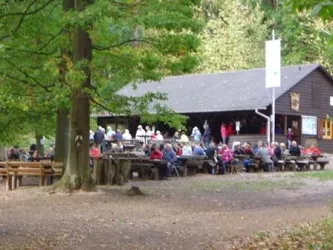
306, 107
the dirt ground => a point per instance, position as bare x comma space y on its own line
199, 212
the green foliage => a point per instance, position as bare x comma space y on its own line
132, 42
304, 37
233, 37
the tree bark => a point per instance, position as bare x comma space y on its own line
40, 146
62, 129
62, 135
3, 154
77, 174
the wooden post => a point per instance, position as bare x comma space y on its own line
110, 171
8, 183
14, 182
125, 168
285, 125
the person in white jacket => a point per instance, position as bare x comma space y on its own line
140, 134
127, 135
159, 136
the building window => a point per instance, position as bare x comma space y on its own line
325, 129
316, 95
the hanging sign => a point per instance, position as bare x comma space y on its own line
294, 101
273, 63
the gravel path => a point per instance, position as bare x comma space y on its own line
200, 212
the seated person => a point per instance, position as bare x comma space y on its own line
211, 155
265, 157
93, 150
93, 153
294, 149
238, 150
155, 153
247, 161
187, 149
312, 150
225, 157
170, 156
147, 149
117, 147
197, 150
178, 150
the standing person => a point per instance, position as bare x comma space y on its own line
140, 134
196, 134
98, 138
207, 135
289, 137
149, 133
159, 136
230, 131
223, 131
109, 133
118, 136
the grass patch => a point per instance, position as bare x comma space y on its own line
322, 175
311, 236
245, 185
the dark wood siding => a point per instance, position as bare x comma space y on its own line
309, 87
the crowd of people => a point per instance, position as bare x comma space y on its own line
20, 154
221, 155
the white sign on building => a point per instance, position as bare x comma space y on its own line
309, 125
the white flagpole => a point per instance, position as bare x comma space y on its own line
273, 103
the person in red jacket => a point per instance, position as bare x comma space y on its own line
312, 150
155, 154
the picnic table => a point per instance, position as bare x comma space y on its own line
191, 163
112, 169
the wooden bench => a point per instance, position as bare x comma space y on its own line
52, 169
322, 162
17, 170
4, 174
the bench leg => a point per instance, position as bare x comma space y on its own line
14, 182
51, 179
185, 171
42, 181
19, 181
8, 183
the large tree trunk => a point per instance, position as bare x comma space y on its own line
62, 129
77, 174
40, 145
3, 154
62, 135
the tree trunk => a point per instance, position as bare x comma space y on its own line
77, 174
3, 154
40, 145
62, 135
62, 129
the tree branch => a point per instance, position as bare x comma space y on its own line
23, 16
101, 48
26, 13
28, 76
100, 105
